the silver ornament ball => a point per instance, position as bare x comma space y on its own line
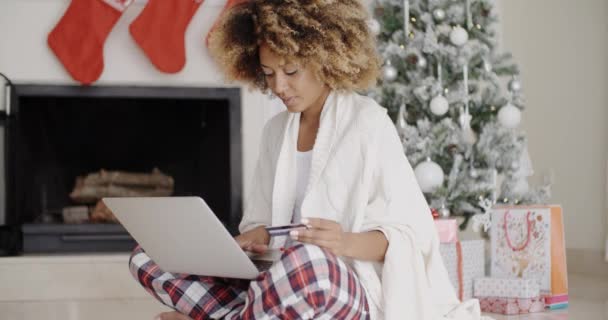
389, 73
444, 212
459, 36
439, 14
509, 116
439, 105
421, 63
515, 165
429, 175
374, 26
487, 67
473, 173
515, 85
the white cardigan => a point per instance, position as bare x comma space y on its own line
361, 178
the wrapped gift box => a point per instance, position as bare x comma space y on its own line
464, 261
506, 288
504, 305
557, 302
447, 230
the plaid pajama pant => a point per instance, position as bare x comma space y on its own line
308, 282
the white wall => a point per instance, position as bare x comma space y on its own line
561, 47
25, 58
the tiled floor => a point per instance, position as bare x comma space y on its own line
589, 301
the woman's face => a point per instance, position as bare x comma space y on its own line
293, 83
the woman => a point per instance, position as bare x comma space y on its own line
333, 161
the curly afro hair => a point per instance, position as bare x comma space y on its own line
330, 36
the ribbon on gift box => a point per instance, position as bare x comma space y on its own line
556, 299
464, 261
458, 246
459, 270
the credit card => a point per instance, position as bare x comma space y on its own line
284, 230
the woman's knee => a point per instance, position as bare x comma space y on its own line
142, 267
312, 259
317, 274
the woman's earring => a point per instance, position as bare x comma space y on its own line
272, 96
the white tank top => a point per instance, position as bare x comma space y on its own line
304, 160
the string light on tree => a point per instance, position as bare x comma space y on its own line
429, 175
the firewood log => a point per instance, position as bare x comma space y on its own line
154, 179
102, 214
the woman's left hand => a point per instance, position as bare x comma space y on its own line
325, 233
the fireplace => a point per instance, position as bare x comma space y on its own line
55, 134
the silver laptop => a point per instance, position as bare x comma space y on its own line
183, 235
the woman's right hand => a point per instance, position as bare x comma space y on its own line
255, 240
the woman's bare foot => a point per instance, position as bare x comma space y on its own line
174, 315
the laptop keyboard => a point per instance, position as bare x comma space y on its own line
263, 265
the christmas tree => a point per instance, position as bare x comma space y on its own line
456, 102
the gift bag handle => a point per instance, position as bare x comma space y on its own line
529, 231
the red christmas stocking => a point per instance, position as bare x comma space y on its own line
229, 4
160, 29
78, 39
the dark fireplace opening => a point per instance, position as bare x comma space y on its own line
60, 133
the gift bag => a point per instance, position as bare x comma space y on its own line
447, 229
528, 242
